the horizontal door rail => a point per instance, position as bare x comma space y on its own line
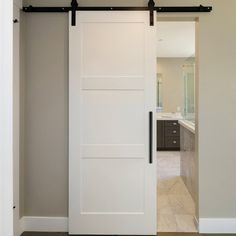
159, 9
151, 8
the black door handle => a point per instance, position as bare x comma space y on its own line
150, 136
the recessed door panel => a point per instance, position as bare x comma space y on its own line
120, 177
117, 43
107, 115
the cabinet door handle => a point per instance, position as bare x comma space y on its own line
174, 142
150, 136
174, 131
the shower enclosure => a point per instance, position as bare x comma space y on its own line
159, 93
189, 90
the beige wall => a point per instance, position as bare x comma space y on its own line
46, 112
172, 82
46, 109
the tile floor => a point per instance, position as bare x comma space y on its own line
175, 205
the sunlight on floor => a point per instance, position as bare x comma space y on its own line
176, 209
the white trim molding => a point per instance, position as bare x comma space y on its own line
21, 226
217, 225
44, 224
6, 118
60, 224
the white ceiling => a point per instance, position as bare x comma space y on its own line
175, 39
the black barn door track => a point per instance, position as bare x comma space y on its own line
150, 7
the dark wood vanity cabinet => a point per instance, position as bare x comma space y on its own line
160, 134
168, 135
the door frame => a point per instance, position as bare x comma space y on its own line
196, 19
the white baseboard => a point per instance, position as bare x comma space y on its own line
21, 229
44, 224
60, 224
217, 225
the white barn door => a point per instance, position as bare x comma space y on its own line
112, 92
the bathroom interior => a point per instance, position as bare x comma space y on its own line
177, 164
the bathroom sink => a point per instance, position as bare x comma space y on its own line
168, 116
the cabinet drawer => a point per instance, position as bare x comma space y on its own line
172, 131
172, 142
171, 123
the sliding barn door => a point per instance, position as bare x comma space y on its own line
112, 92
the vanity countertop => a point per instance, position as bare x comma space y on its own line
168, 116
188, 125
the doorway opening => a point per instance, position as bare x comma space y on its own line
177, 165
